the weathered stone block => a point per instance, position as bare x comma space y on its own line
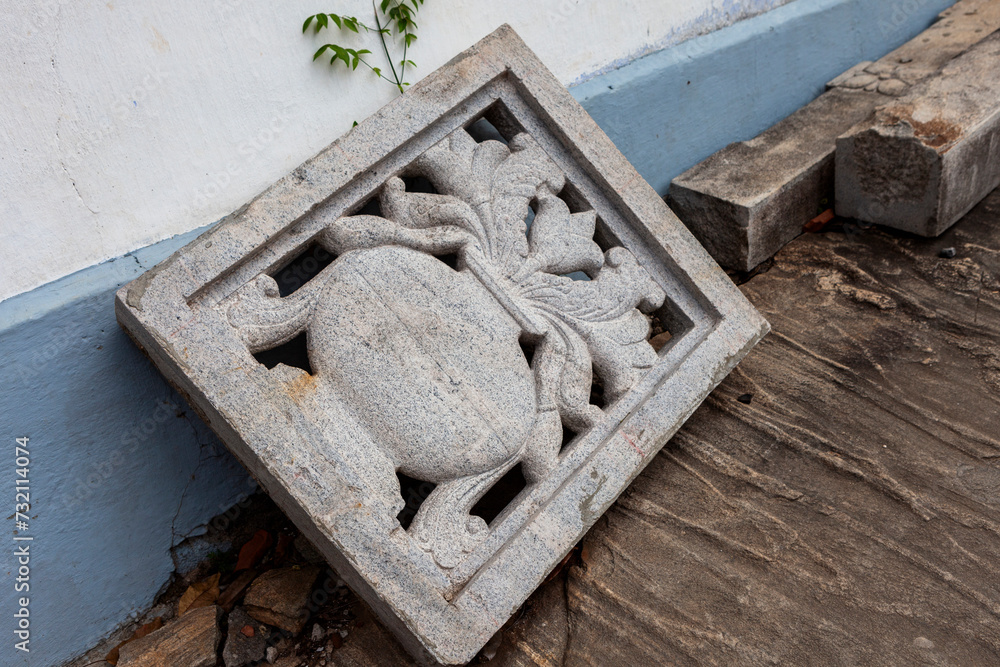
407, 367
193, 639
281, 597
924, 160
751, 198
245, 644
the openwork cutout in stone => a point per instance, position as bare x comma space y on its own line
389, 324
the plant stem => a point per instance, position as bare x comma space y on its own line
402, 65
381, 76
385, 49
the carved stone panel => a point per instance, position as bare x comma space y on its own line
430, 343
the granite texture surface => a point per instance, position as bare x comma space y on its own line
487, 268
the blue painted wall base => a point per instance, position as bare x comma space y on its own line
122, 470
672, 109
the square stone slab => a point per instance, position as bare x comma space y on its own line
440, 322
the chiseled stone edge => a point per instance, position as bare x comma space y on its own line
743, 228
924, 160
407, 599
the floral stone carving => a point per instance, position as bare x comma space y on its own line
394, 326
447, 341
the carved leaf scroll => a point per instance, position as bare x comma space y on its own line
263, 319
561, 242
605, 313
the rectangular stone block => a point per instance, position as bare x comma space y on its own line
924, 160
430, 343
748, 200
751, 198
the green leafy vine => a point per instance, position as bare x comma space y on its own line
395, 14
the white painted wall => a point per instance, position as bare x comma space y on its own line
124, 123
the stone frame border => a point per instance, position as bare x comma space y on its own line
165, 312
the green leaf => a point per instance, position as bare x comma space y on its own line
377, 71
341, 54
385, 3
362, 52
305, 26
410, 63
352, 25
336, 19
321, 50
415, 5
355, 124
409, 38
321, 22
354, 62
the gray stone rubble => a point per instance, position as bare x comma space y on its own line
245, 643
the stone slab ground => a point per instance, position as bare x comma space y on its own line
926, 158
846, 511
749, 199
